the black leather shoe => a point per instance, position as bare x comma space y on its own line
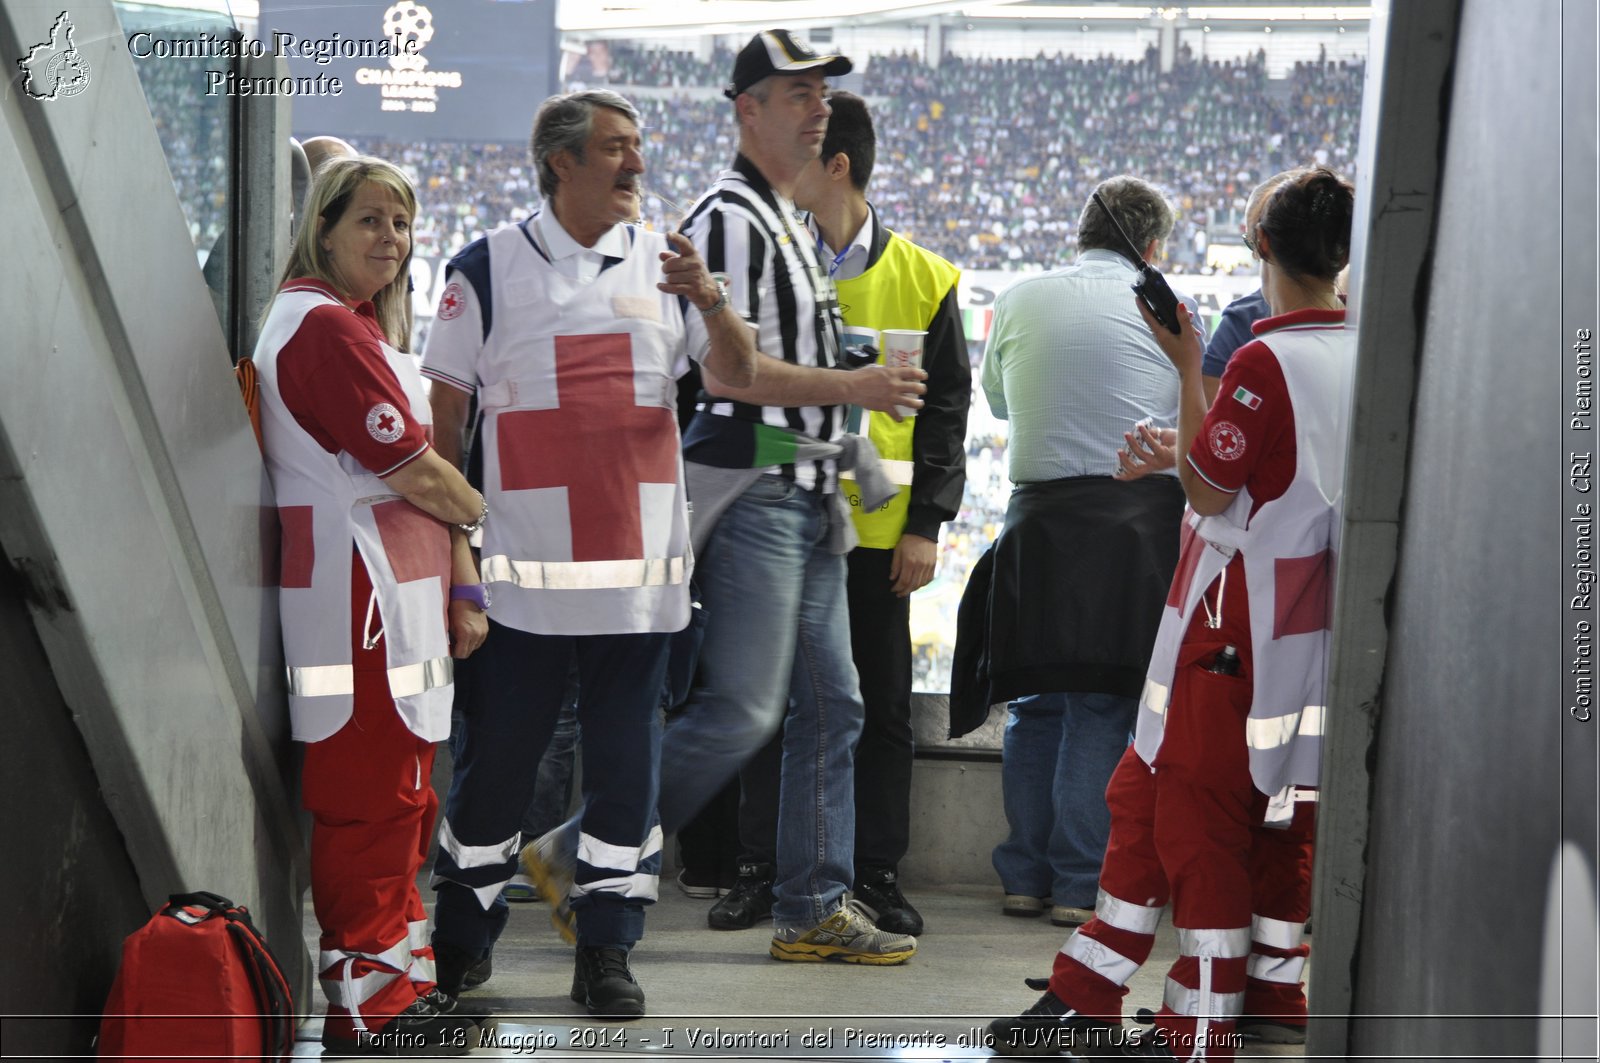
1049, 1028
602, 983
420, 1030
748, 903
879, 889
456, 970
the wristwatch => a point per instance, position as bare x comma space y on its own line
722, 297
476, 593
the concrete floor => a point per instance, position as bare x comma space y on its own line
717, 993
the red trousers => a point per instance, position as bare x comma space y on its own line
369, 792
1182, 831
1280, 882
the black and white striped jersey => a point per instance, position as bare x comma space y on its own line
748, 234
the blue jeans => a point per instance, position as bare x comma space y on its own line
1059, 752
776, 653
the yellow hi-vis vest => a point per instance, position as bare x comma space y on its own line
903, 289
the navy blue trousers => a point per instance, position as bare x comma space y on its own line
511, 706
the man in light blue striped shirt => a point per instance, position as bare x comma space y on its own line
1083, 564
1071, 366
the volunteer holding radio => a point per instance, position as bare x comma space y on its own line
368, 564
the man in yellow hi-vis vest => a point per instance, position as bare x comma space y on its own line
884, 282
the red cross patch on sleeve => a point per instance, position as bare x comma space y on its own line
1226, 440
384, 423
452, 302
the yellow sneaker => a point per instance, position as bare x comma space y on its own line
848, 935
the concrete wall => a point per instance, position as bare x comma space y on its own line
132, 510
1455, 901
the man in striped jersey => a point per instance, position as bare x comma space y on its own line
772, 573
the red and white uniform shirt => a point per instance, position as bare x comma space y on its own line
340, 408
575, 372
1276, 439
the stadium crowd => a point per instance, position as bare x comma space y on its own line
985, 161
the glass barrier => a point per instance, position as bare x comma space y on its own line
961, 542
169, 47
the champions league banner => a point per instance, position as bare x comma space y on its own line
437, 71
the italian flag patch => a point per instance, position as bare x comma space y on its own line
1249, 398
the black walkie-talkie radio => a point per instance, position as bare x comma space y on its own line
1151, 285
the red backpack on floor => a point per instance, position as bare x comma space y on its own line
198, 982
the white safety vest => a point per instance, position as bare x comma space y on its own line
608, 352
346, 503
1290, 546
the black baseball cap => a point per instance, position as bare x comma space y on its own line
777, 52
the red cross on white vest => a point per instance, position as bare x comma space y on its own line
599, 444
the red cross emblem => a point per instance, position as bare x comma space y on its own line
384, 423
1227, 441
599, 444
451, 302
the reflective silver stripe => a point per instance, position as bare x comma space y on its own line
397, 958
467, 856
640, 886
409, 680
1280, 808
422, 969
1185, 1001
1276, 933
1284, 969
1275, 731
583, 575
596, 853
352, 992
1223, 944
1105, 962
322, 680
1125, 915
1202, 1037
1155, 697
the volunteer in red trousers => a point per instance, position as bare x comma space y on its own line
1233, 706
369, 559
1275, 1007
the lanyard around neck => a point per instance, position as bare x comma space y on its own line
838, 260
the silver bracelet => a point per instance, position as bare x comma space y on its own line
722, 299
483, 516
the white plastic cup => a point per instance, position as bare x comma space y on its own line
902, 347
